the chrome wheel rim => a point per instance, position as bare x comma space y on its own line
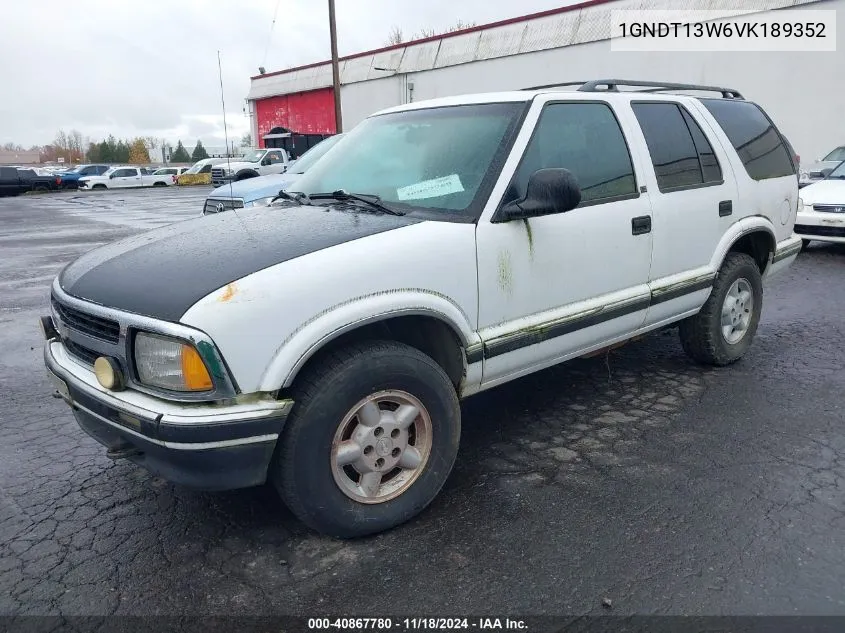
381, 446
737, 310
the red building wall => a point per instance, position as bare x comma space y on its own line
306, 112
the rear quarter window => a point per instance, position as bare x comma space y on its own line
754, 137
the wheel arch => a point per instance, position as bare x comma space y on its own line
754, 236
433, 332
245, 174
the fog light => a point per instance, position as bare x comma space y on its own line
108, 373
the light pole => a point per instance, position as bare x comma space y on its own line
335, 70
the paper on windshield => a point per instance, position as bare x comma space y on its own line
431, 188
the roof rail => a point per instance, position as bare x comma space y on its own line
612, 85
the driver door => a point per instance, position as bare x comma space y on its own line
555, 286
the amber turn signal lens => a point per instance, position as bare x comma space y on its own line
194, 372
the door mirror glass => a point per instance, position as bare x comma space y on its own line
112, 177
549, 191
265, 160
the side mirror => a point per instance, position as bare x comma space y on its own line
549, 191
111, 177
265, 160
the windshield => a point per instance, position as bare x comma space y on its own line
434, 159
251, 156
196, 167
839, 172
314, 154
837, 154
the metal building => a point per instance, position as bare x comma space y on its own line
800, 90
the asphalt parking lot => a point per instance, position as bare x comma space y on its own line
638, 477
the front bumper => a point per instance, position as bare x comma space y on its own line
821, 225
219, 181
207, 446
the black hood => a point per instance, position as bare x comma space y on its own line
163, 272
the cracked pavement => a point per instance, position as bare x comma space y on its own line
667, 487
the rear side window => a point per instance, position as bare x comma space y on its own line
586, 139
754, 137
681, 154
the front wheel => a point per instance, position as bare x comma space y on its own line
371, 439
98, 187
722, 331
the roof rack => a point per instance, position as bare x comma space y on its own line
612, 85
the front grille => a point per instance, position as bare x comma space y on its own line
218, 173
84, 354
94, 326
821, 231
213, 205
829, 208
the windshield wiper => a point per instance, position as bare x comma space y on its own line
369, 199
296, 196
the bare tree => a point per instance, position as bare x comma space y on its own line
460, 25
12, 147
395, 36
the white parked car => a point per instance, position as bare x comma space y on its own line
122, 177
821, 216
822, 167
440, 249
256, 162
173, 172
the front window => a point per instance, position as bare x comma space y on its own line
839, 172
253, 156
314, 154
838, 154
441, 160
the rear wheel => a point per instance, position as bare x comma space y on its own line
159, 184
722, 331
371, 440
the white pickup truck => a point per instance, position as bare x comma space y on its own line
256, 162
122, 177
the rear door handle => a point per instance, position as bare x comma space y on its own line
726, 207
641, 225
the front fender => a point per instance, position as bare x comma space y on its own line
292, 354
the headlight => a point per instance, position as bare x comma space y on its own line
170, 364
800, 204
228, 171
261, 202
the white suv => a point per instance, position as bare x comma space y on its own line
440, 249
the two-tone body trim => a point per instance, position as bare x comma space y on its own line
678, 289
542, 332
558, 327
787, 251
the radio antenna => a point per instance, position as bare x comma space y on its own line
225, 126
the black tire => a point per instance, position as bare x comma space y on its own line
701, 335
805, 244
245, 176
159, 184
99, 187
302, 471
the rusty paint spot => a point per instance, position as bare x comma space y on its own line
228, 292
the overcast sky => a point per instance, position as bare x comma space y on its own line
149, 67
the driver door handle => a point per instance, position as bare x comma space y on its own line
641, 225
